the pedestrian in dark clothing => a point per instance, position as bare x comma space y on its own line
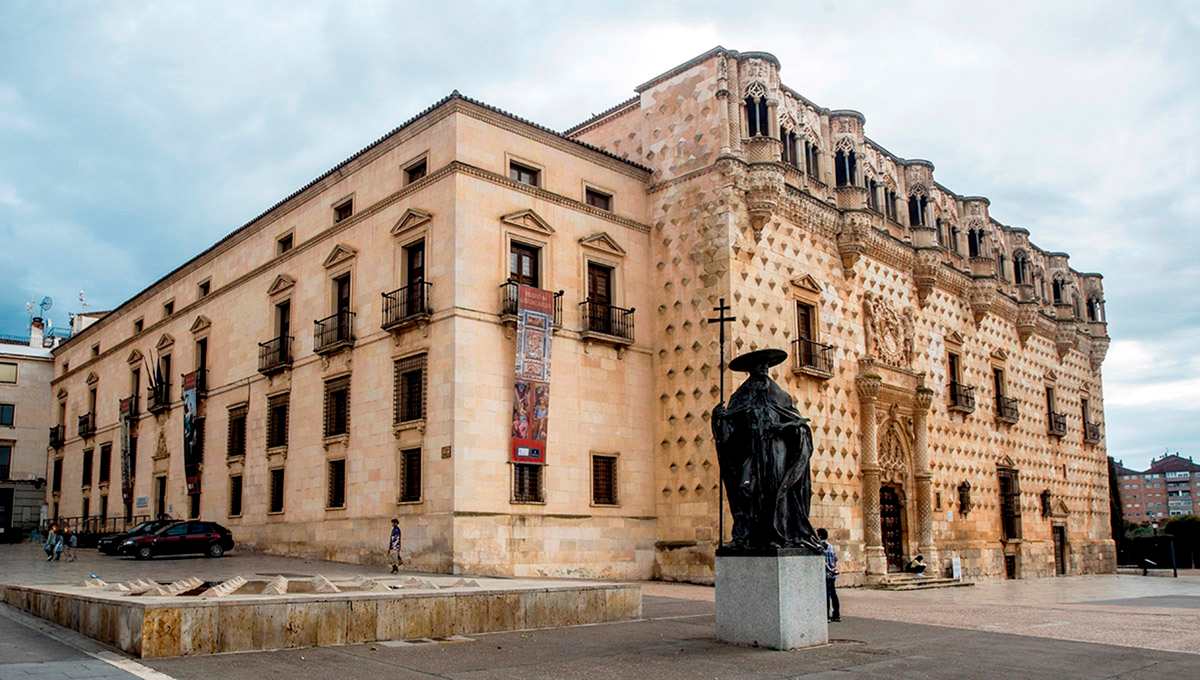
831, 574
394, 546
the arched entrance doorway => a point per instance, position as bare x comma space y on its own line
894, 478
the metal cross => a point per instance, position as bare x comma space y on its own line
721, 319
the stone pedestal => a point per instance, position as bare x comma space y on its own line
772, 600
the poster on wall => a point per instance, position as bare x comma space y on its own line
191, 443
531, 388
126, 409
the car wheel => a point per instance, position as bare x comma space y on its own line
144, 553
215, 550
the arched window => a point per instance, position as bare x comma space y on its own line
941, 232
790, 147
1056, 286
845, 163
954, 240
1000, 267
916, 211
811, 164
975, 242
1095, 309
873, 195
1020, 262
756, 117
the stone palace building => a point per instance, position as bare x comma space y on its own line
348, 355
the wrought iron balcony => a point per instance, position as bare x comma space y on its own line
158, 397
962, 398
609, 321
333, 333
87, 425
812, 358
58, 435
508, 303
275, 355
1057, 424
1091, 432
1007, 410
407, 305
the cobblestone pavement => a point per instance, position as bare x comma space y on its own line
1134, 611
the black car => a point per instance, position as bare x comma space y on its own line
181, 538
109, 545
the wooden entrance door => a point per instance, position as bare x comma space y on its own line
891, 511
599, 308
1060, 549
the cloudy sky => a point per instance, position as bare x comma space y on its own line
133, 135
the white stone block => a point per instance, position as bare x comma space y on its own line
772, 601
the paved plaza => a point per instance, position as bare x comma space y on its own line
1076, 627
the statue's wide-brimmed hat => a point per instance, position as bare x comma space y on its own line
759, 357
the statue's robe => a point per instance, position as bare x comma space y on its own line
764, 448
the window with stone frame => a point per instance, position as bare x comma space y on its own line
235, 441
527, 483
275, 497
8, 373
6, 449
416, 171
235, 495
524, 174
598, 199
337, 406
7, 415
343, 211
408, 399
86, 478
277, 421
105, 462
604, 480
335, 497
56, 483
1010, 503
409, 471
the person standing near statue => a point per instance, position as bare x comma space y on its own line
831, 574
764, 448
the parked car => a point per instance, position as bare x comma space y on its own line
110, 545
181, 538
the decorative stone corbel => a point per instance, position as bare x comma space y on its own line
926, 266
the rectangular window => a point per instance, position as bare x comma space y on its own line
235, 442
598, 199
1049, 400
524, 174
7, 415
277, 421
523, 264
204, 288
5, 461
527, 483
284, 243
8, 373
998, 383
953, 368
604, 480
410, 475
86, 511
138, 325
1010, 503
103, 509
56, 483
168, 308
342, 211
336, 495
235, 496
806, 321
1086, 412
409, 399
105, 462
87, 469
276, 497
96, 350
337, 407
416, 171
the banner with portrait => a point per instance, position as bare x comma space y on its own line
126, 416
191, 435
531, 388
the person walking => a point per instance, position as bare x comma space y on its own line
394, 546
831, 574
71, 539
51, 543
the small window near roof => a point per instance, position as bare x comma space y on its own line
138, 325
284, 244
416, 171
342, 211
204, 288
524, 174
168, 308
96, 350
598, 199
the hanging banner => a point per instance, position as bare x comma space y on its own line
126, 415
191, 439
531, 389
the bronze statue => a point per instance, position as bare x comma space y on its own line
764, 448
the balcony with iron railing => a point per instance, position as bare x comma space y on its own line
58, 436
1091, 432
508, 303
158, 397
812, 358
1056, 424
275, 355
87, 425
1007, 410
606, 322
406, 306
333, 333
962, 398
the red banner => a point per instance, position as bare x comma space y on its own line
531, 388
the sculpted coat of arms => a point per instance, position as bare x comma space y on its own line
889, 331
